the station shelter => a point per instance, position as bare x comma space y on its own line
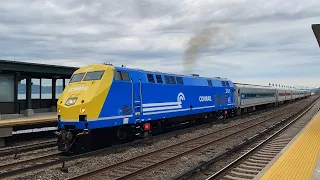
13, 72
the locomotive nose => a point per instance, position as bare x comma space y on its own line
83, 97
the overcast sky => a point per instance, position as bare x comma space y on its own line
248, 41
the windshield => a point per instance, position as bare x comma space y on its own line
96, 75
76, 77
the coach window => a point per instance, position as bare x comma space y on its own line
159, 79
209, 82
150, 78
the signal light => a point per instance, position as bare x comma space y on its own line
146, 126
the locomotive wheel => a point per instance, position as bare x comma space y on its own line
121, 135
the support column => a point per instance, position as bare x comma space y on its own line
40, 91
63, 83
28, 93
15, 98
28, 111
53, 106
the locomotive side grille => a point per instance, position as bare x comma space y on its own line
126, 110
220, 99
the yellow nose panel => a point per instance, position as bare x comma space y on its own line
85, 97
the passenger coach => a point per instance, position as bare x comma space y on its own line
251, 97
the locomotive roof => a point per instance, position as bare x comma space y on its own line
172, 74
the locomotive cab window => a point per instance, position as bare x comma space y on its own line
122, 75
150, 78
159, 79
76, 77
167, 79
172, 80
96, 75
180, 80
125, 76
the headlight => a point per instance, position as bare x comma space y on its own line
71, 101
82, 110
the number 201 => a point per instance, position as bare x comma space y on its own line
227, 90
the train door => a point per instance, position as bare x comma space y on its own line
137, 100
238, 101
239, 98
231, 99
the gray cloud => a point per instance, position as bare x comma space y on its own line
270, 38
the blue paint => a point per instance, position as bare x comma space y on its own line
159, 100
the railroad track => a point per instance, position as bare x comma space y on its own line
254, 159
9, 170
51, 160
25, 148
28, 163
51, 143
260, 150
131, 168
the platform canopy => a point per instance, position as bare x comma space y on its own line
36, 70
316, 31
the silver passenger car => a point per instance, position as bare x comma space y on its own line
250, 97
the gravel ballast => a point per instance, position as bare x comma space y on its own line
92, 163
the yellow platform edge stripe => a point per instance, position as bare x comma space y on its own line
300, 158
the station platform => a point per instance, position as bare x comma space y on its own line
38, 122
299, 159
38, 118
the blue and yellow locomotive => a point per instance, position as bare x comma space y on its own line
103, 102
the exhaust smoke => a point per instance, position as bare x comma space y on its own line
202, 40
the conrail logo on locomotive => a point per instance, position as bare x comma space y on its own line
180, 97
79, 88
205, 98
